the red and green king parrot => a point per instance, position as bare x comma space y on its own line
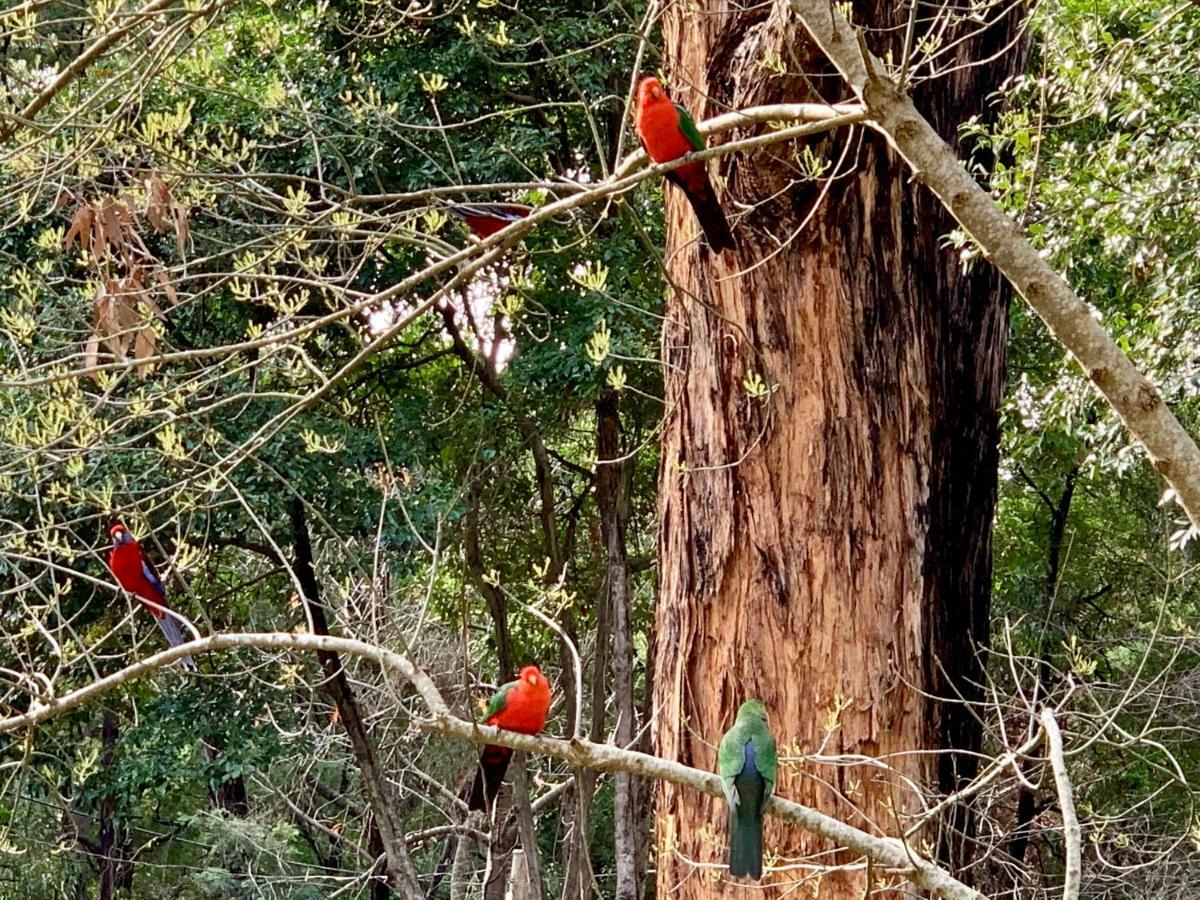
485, 219
667, 132
137, 574
746, 762
522, 706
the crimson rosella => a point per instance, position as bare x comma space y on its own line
520, 705
485, 219
136, 574
668, 132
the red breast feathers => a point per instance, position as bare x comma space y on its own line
657, 123
525, 704
128, 565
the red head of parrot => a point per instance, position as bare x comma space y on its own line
664, 133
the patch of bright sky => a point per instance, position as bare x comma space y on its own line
488, 334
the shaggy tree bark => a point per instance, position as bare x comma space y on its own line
829, 456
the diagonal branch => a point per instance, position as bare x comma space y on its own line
1066, 805
387, 826
1171, 450
93, 52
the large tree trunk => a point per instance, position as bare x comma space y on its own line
826, 547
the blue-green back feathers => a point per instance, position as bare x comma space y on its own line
747, 763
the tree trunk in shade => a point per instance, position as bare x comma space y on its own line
825, 546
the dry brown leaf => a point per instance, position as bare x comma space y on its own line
181, 230
106, 232
168, 289
143, 347
103, 309
153, 306
81, 228
91, 356
158, 203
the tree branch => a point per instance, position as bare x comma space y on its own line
94, 51
390, 829
1066, 804
1171, 450
891, 853
471, 258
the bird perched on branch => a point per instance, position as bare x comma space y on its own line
485, 219
522, 706
667, 132
746, 762
136, 574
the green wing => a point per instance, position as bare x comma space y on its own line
731, 756
499, 700
688, 127
765, 756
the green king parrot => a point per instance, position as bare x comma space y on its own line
746, 762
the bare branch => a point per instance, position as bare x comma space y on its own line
1171, 449
1066, 805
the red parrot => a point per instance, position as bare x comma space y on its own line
520, 705
137, 574
667, 132
485, 219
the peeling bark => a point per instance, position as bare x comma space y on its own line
824, 545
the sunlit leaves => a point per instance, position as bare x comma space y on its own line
319, 443
616, 378
754, 385
591, 275
599, 345
433, 83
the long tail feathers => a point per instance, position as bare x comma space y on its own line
745, 843
699, 191
493, 763
174, 634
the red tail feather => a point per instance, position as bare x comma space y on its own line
699, 191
